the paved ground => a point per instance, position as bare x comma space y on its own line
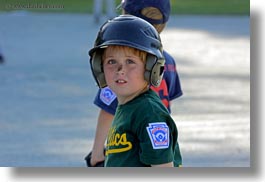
46, 89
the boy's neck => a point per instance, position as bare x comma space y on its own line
124, 100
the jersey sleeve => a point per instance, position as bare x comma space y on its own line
172, 78
156, 141
106, 100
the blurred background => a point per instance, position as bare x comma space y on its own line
214, 7
47, 115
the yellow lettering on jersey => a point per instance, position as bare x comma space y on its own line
117, 140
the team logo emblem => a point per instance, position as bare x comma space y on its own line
107, 96
159, 135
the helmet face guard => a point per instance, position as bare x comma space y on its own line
131, 31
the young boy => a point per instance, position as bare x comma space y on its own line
157, 13
1, 58
128, 57
98, 6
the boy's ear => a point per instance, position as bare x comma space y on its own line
154, 70
97, 69
150, 62
157, 72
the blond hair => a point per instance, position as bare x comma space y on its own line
114, 48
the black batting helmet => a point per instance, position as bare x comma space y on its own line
131, 31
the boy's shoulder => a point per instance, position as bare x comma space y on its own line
151, 101
167, 55
168, 58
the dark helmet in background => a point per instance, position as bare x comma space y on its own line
134, 7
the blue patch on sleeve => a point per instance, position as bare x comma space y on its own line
159, 135
107, 96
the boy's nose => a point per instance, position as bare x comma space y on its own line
120, 69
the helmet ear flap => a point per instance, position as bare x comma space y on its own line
97, 69
154, 70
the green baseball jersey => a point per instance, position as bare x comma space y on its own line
142, 134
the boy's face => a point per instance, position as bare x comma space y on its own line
124, 71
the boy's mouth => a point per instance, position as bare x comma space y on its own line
120, 81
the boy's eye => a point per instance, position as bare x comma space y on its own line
111, 61
130, 61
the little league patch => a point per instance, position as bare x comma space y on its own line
107, 96
159, 135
